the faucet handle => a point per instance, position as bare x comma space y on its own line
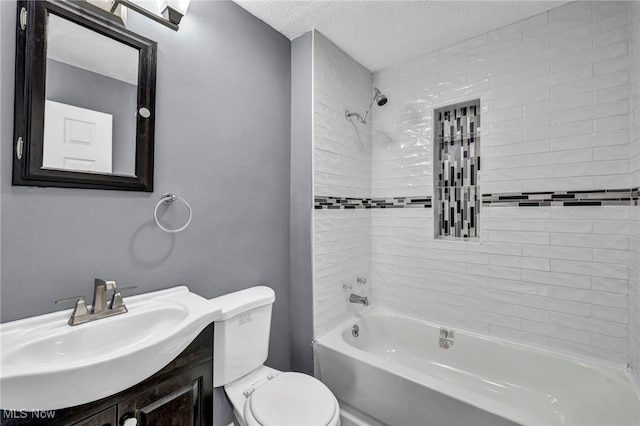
116, 300
70, 299
108, 284
80, 309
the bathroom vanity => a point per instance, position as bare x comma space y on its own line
181, 393
150, 365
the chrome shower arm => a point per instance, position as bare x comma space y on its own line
360, 118
377, 97
350, 115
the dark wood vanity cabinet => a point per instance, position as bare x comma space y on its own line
181, 394
175, 402
104, 418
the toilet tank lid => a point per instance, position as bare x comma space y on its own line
237, 302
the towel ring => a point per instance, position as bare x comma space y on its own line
169, 198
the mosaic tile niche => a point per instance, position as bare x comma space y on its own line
457, 162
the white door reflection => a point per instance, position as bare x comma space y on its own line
77, 139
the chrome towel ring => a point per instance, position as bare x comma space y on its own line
169, 198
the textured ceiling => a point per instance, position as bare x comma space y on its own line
380, 34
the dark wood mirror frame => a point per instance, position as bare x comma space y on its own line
31, 60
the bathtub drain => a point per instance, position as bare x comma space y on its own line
355, 331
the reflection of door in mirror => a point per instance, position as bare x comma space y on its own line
77, 139
98, 76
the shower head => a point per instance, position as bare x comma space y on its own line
378, 98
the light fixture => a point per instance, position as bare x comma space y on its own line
172, 11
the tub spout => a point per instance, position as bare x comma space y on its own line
354, 298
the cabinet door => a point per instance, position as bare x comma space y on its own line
177, 401
103, 418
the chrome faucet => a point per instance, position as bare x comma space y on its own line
100, 308
100, 295
354, 298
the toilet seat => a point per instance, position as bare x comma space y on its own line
291, 399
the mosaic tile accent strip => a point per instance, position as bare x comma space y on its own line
371, 203
605, 197
456, 166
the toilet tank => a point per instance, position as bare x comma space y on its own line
241, 335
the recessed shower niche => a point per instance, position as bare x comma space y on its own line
456, 162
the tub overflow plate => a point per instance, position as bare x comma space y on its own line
446, 338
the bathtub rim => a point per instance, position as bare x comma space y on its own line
563, 353
436, 385
332, 340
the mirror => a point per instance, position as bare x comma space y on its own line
89, 133
85, 100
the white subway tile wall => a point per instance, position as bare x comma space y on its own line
634, 166
342, 168
556, 118
560, 101
554, 93
342, 254
536, 276
342, 148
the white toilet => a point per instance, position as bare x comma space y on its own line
262, 396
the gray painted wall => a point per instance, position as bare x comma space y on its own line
222, 142
85, 89
302, 203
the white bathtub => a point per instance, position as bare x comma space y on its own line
397, 372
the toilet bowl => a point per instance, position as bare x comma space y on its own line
261, 395
270, 397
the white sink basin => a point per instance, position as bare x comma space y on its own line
47, 364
